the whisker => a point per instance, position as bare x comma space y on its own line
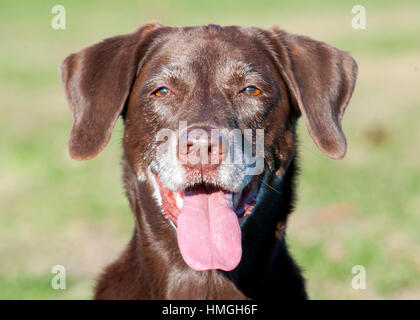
266, 184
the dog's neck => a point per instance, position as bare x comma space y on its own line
155, 239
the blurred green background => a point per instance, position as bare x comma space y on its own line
363, 210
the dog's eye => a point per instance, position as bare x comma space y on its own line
161, 92
252, 91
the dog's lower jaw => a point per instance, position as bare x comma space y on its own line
151, 267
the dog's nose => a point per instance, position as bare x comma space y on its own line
202, 146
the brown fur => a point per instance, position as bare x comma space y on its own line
205, 67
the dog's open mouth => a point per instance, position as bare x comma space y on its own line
208, 223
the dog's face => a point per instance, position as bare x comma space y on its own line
211, 80
193, 101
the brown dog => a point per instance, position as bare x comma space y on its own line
207, 229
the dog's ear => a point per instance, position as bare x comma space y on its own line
321, 79
97, 82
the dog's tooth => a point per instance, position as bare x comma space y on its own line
179, 200
228, 197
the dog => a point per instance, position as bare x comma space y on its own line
207, 230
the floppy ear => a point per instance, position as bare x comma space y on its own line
97, 82
321, 79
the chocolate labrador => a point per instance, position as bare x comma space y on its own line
193, 98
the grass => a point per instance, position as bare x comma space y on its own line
363, 210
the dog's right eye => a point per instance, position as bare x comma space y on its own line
161, 92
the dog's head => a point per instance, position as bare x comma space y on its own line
208, 111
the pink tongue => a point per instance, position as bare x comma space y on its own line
209, 235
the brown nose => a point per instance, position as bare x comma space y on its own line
202, 146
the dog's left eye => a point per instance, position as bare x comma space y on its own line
252, 91
161, 92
